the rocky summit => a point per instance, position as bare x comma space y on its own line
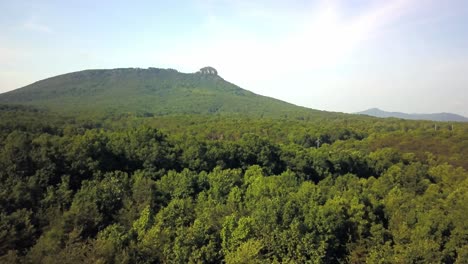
208, 70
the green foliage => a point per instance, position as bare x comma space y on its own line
209, 189
15, 230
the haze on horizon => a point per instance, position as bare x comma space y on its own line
397, 55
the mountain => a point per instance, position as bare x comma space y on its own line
433, 117
149, 91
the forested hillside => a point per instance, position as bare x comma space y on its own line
149, 92
213, 189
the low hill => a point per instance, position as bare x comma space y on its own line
150, 91
444, 117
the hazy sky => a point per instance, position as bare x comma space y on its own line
348, 55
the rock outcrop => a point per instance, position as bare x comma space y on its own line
208, 71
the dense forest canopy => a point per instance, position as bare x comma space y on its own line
212, 188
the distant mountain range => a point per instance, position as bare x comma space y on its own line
151, 91
447, 117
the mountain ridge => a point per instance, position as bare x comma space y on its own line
443, 117
152, 91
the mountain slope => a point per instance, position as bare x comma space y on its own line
149, 91
434, 117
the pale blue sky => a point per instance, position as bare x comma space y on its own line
348, 55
